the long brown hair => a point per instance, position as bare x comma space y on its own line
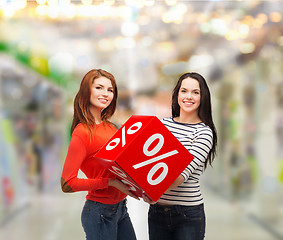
204, 111
82, 112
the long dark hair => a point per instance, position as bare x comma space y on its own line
204, 111
82, 112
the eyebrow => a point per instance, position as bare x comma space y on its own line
101, 85
196, 89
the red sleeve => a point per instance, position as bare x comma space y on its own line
74, 159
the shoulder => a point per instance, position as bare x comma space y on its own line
169, 123
104, 128
81, 131
204, 131
166, 120
178, 129
110, 127
113, 126
202, 127
107, 125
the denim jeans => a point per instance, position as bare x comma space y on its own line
107, 221
176, 222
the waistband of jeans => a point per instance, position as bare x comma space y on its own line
174, 208
123, 202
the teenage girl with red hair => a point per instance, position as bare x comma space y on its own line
105, 214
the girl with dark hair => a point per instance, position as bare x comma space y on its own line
105, 214
179, 213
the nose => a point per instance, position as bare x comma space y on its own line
189, 96
105, 92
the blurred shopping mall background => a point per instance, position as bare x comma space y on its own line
46, 47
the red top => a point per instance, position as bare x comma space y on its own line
81, 148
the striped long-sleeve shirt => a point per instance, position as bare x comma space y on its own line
197, 138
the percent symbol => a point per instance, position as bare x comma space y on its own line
159, 165
131, 130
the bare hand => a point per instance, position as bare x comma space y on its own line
147, 199
116, 183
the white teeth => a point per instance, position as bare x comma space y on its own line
103, 100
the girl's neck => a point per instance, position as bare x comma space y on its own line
188, 118
96, 114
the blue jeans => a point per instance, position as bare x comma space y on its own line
107, 221
176, 222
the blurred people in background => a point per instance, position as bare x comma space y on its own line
105, 214
179, 213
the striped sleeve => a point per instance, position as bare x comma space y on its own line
199, 148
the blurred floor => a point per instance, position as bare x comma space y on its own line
54, 216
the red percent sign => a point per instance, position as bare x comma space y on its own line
131, 130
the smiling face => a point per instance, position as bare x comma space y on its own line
102, 93
189, 96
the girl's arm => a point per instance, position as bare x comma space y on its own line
74, 159
179, 180
199, 149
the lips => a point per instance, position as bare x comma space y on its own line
103, 100
188, 103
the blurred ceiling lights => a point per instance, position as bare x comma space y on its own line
217, 21
162, 25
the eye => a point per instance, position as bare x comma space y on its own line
110, 90
97, 87
196, 92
